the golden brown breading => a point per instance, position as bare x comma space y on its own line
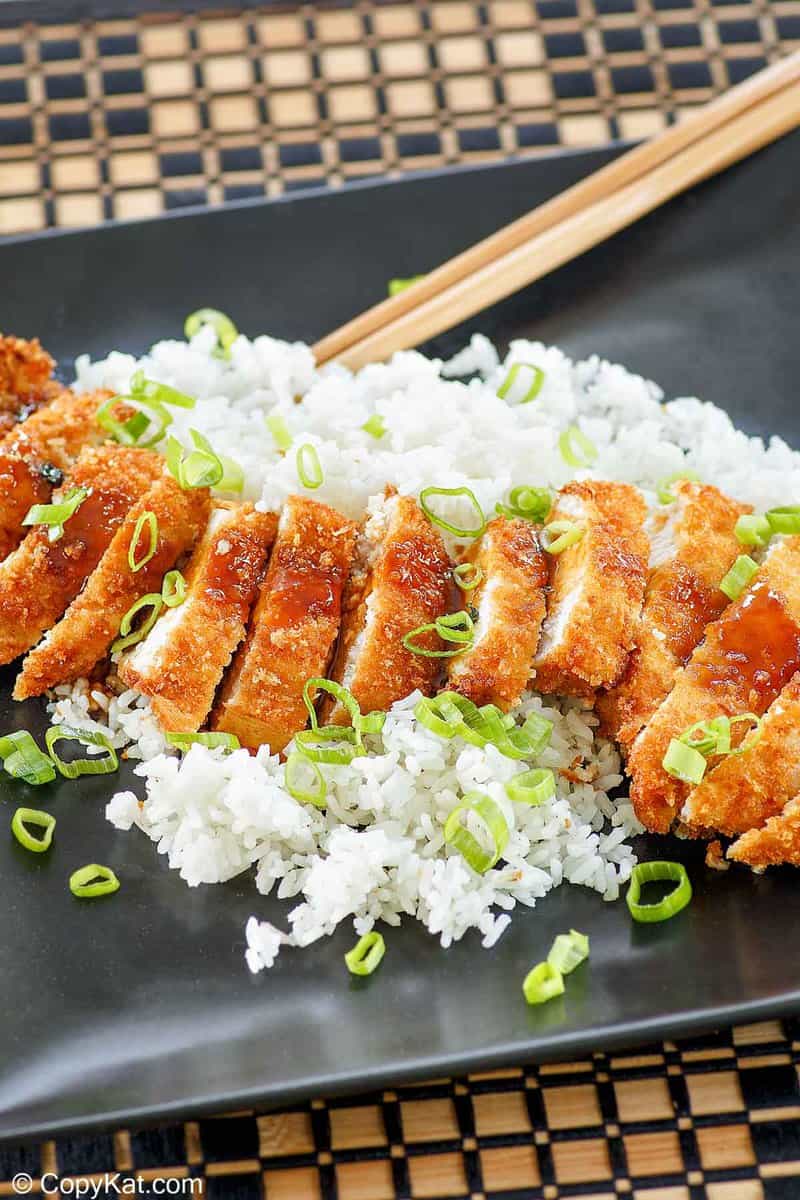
25, 379
693, 546
293, 627
40, 578
91, 623
510, 600
746, 789
744, 661
776, 842
180, 663
402, 580
36, 453
597, 589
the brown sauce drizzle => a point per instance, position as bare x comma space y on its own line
417, 566
302, 591
87, 533
682, 605
232, 576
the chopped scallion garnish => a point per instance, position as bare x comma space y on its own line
366, 954
126, 638
664, 489
684, 762
94, 765
493, 826
542, 983
532, 787
456, 530
669, 905
337, 744
304, 781
54, 516
739, 577
222, 325
146, 427
784, 520
576, 448
396, 286
375, 426
213, 741
568, 951
361, 723
159, 393
173, 589
467, 575
455, 628
560, 535
22, 759
522, 383
151, 521
450, 715
280, 431
44, 821
87, 883
752, 530
201, 467
232, 476
532, 503
309, 468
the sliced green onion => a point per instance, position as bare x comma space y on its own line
96, 765
151, 521
458, 628
739, 576
201, 467
309, 468
784, 520
371, 722
493, 825
532, 787
339, 692
457, 530
450, 715
22, 759
665, 492
87, 883
55, 515
298, 766
533, 388
568, 951
24, 817
159, 393
683, 762
467, 575
232, 476
576, 448
713, 738
338, 744
396, 286
375, 426
222, 325
145, 428
366, 954
173, 589
560, 535
427, 712
126, 638
752, 530
658, 872
280, 431
183, 741
532, 503
542, 983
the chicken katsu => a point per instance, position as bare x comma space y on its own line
25, 380
596, 589
510, 603
401, 580
775, 843
293, 628
743, 662
84, 634
40, 578
692, 546
180, 663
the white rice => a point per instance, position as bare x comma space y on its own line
377, 852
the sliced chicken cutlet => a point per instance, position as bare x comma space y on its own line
747, 789
596, 589
84, 634
180, 663
744, 661
692, 546
25, 380
293, 627
510, 602
40, 577
37, 452
776, 842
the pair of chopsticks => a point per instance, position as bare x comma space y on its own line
749, 116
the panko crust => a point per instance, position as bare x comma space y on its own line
25, 379
776, 843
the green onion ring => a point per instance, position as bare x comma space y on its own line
534, 388
98, 765
784, 520
568, 951
55, 515
532, 787
296, 764
752, 530
232, 476
375, 426
151, 600
456, 530
366, 954
467, 576
560, 535
309, 468
183, 741
222, 325
665, 492
89, 882
532, 503
542, 983
201, 467
493, 822
280, 431
173, 589
576, 448
149, 416
346, 744
739, 577
151, 521
22, 759
456, 628
149, 390
671, 904
24, 817
684, 763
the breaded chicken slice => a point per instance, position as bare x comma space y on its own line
40, 578
776, 842
746, 789
510, 602
596, 589
25, 379
37, 452
293, 628
692, 546
84, 634
180, 663
401, 579
744, 661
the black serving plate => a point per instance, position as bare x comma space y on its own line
140, 1007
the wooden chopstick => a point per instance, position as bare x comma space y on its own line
362, 339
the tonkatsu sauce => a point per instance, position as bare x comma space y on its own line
681, 605
234, 566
